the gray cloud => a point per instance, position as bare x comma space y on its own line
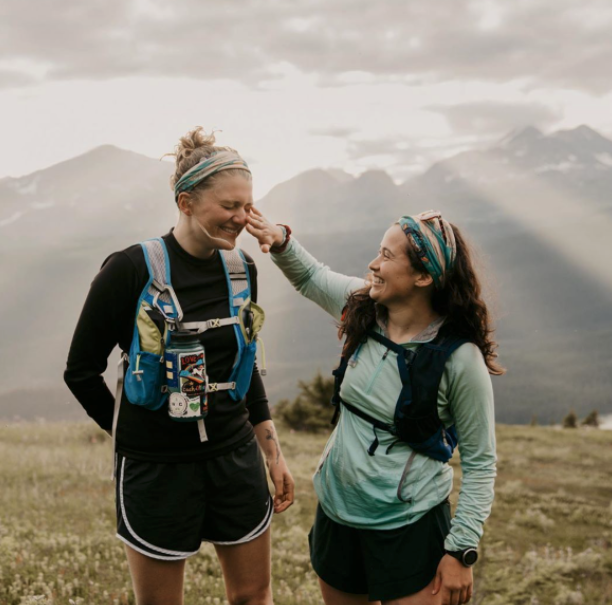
382, 146
335, 133
410, 157
546, 42
12, 79
492, 118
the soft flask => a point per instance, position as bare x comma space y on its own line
186, 377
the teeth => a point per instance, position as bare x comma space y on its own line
229, 230
377, 280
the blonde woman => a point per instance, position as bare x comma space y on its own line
178, 485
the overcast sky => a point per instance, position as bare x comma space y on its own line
296, 84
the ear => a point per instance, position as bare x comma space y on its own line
185, 203
424, 280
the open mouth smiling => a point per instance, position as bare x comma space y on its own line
230, 231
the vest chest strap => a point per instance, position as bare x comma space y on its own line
202, 326
213, 387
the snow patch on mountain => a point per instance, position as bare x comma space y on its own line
559, 167
11, 219
27, 188
604, 158
42, 205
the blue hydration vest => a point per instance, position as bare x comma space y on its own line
416, 421
145, 383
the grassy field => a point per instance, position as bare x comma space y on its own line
548, 541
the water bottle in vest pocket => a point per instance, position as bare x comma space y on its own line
186, 377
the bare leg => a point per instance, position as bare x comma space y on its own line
333, 596
155, 582
246, 571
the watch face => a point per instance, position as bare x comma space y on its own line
470, 557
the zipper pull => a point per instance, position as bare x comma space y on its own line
385, 355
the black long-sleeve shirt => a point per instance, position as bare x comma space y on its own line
107, 319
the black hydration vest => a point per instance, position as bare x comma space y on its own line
416, 421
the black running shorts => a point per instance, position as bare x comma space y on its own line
384, 564
165, 510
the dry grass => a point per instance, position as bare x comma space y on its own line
548, 540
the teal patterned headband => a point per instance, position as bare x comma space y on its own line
221, 160
434, 241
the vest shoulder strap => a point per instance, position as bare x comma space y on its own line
238, 275
159, 291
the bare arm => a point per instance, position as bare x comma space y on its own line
277, 466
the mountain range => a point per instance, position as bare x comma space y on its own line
531, 204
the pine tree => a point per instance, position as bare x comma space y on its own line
311, 410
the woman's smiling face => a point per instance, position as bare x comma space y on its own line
221, 211
392, 276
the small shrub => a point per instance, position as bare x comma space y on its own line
311, 410
592, 419
570, 421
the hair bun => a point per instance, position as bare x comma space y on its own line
194, 139
191, 149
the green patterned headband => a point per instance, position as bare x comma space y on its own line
220, 160
434, 242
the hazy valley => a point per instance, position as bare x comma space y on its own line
533, 205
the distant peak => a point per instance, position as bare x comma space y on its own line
375, 175
583, 131
530, 131
340, 175
309, 178
584, 134
521, 135
313, 172
312, 176
107, 150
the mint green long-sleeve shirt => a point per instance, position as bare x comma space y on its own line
360, 490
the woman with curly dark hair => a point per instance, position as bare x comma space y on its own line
412, 384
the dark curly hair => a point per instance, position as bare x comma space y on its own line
459, 300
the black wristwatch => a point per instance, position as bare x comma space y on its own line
468, 557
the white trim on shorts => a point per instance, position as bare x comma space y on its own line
146, 552
174, 554
258, 531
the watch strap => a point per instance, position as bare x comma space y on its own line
467, 557
282, 247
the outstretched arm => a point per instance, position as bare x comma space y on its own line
312, 279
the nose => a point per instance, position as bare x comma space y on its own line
240, 217
374, 264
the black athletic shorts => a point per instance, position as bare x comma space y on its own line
384, 564
166, 510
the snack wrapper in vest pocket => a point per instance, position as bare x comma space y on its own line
144, 381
